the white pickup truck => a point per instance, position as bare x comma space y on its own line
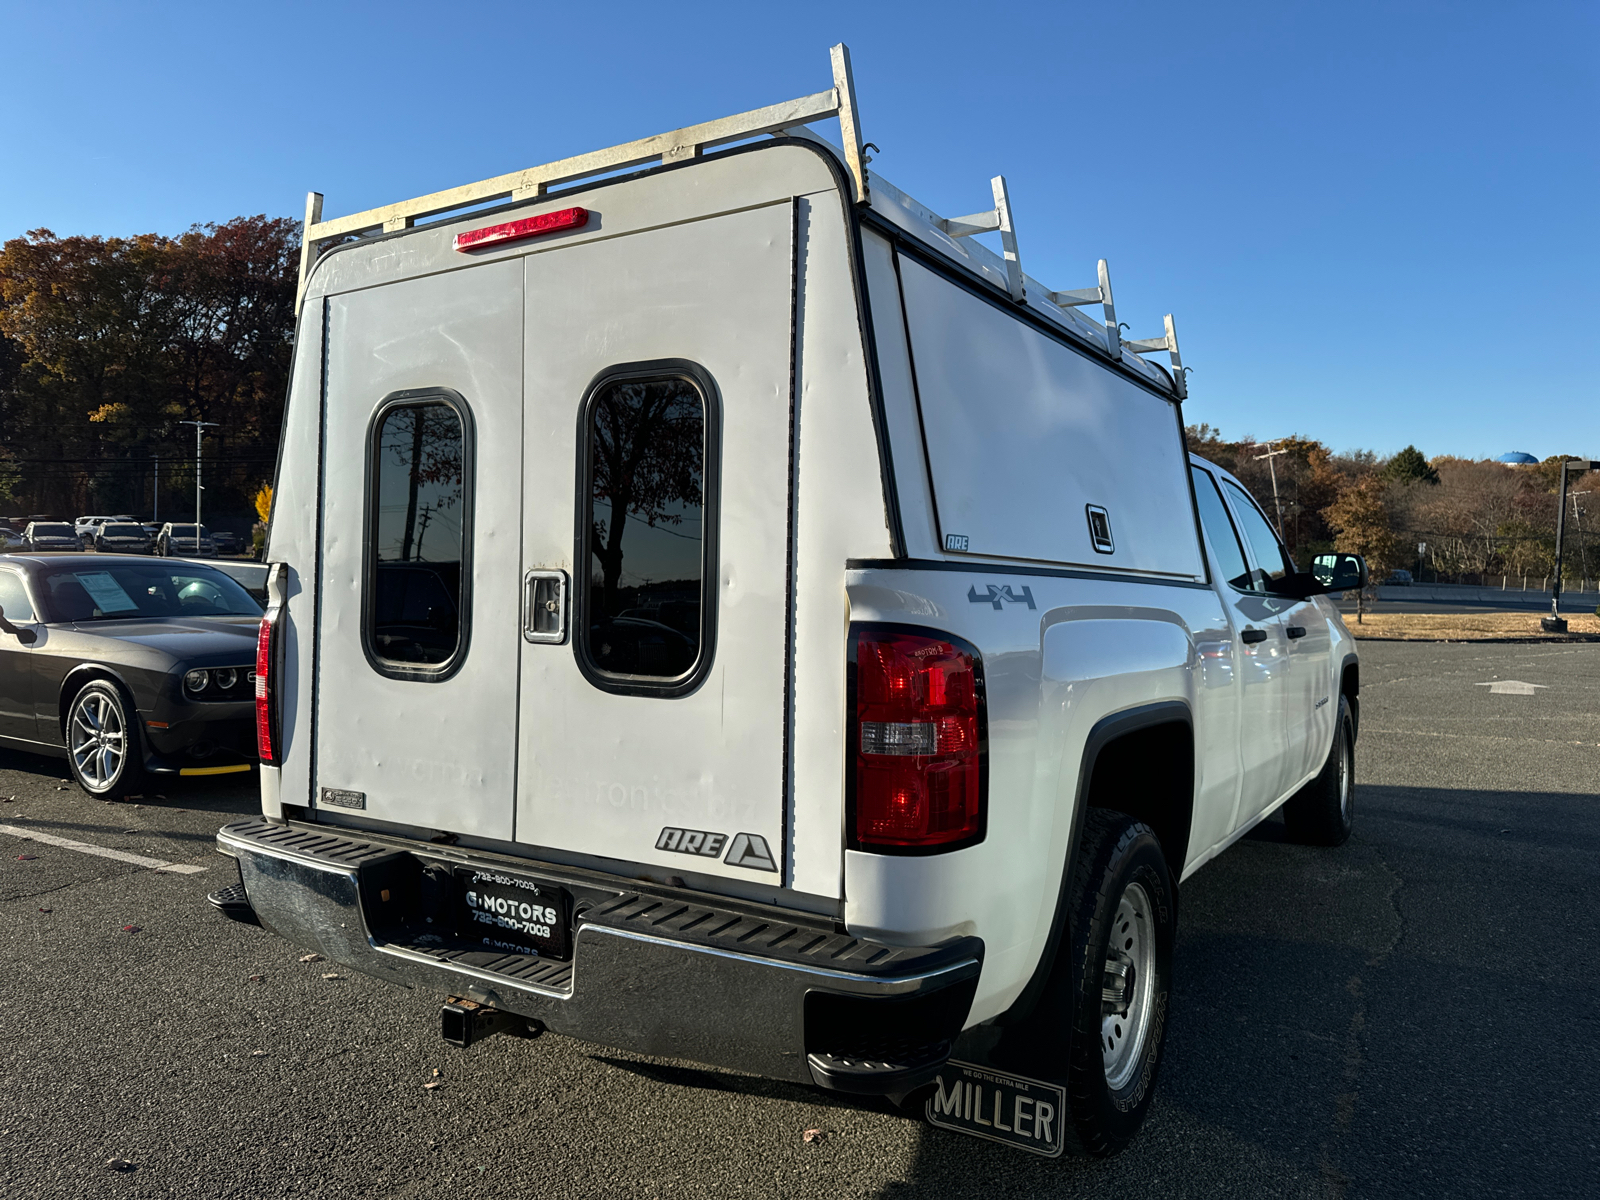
721, 609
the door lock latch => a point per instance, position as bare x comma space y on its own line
544, 607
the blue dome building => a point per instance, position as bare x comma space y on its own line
1516, 456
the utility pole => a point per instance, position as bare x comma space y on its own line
1577, 515
1555, 623
1271, 466
155, 514
199, 432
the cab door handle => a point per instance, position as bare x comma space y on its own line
1251, 636
1296, 631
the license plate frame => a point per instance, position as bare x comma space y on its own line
496, 910
982, 1102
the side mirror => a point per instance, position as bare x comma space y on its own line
1339, 572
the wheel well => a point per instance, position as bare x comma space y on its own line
1149, 774
77, 681
1350, 689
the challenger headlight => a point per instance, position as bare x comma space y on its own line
227, 677
195, 681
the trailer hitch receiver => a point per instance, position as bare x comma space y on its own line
463, 1022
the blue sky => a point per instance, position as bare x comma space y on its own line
1374, 222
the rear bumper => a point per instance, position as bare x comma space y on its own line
654, 970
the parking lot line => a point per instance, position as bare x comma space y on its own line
138, 860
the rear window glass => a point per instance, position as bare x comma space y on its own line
1271, 558
1219, 529
643, 616
419, 523
143, 591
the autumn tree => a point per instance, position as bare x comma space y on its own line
115, 340
1361, 525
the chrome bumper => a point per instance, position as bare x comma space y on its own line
659, 971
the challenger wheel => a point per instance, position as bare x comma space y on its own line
1323, 812
1108, 995
103, 742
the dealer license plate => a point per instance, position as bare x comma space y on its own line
506, 912
1020, 1112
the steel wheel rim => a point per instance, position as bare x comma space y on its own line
97, 739
1132, 944
1346, 771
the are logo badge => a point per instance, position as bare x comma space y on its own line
692, 841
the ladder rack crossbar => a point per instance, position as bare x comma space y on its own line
534, 181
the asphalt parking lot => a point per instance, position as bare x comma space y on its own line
1414, 1014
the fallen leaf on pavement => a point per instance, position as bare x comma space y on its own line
47, 910
258, 1054
311, 958
257, 978
26, 857
120, 1164
433, 1083
133, 831
437, 1073
813, 1135
130, 929
332, 975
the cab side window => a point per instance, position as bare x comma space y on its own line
1272, 560
1220, 532
14, 599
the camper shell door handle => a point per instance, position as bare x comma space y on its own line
544, 607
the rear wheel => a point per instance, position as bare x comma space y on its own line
1106, 1006
1323, 812
103, 742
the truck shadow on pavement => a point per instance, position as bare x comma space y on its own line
1360, 1020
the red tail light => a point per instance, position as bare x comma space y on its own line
918, 741
264, 746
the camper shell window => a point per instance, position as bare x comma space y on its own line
417, 585
646, 540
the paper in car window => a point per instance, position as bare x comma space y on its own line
107, 592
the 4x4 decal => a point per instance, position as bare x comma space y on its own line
1001, 593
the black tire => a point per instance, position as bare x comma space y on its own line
1323, 812
104, 750
1108, 1094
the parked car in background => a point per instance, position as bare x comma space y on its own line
85, 527
180, 541
10, 539
227, 543
121, 537
1399, 578
126, 668
50, 535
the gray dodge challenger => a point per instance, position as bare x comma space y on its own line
127, 667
